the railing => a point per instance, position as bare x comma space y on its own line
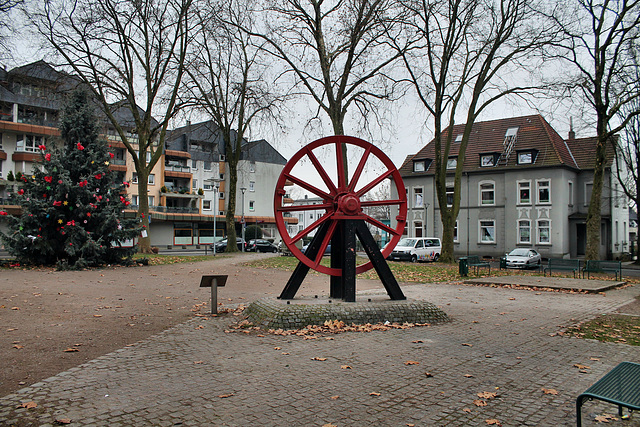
119, 162
177, 168
174, 209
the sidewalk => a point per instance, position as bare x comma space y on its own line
500, 341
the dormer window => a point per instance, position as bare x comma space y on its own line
452, 162
421, 165
511, 132
459, 138
527, 157
488, 160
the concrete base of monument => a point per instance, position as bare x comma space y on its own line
297, 313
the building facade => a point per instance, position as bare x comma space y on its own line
187, 188
522, 186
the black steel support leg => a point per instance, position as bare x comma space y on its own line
349, 267
301, 270
337, 243
379, 263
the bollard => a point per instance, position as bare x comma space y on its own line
213, 281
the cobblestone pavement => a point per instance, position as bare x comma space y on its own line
501, 341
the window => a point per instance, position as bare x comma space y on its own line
134, 200
488, 231
459, 138
524, 192
524, 231
544, 191
134, 178
252, 166
194, 184
208, 187
29, 143
206, 205
487, 160
452, 162
222, 158
450, 196
487, 193
152, 201
511, 131
588, 188
417, 229
148, 156
418, 201
152, 179
252, 186
194, 165
570, 193
419, 166
221, 195
525, 158
206, 165
0, 140
252, 204
544, 231
455, 233
301, 217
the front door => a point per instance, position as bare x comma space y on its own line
581, 238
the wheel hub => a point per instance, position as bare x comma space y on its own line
349, 204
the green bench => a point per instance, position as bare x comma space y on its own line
474, 261
603, 267
621, 386
562, 264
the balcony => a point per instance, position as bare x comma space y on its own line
176, 153
175, 209
177, 168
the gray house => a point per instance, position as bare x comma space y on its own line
523, 185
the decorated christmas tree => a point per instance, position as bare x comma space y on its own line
72, 204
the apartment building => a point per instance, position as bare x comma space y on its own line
523, 185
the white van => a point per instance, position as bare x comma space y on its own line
416, 249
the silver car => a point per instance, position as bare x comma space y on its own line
523, 258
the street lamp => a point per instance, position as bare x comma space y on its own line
215, 212
243, 189
426, 206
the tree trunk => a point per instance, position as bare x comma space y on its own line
594, 214
144, 242
231, 205
446, 255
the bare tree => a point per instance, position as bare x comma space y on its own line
130, 54
6, 26
229, 81
602, 34
335, 52
461, 55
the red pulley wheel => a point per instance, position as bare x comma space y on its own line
342, 200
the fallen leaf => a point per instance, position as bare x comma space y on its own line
595, 359
467, 344
335, 397
579, 366
15, 308
479, 402
468, 376
200, 327
18, 346
411, 425
428, 374
329, 425
487, 395
345, 367
417, 341
63, 421
277, 348
28, 405
493, 422
321, 359
374, 393
549, 391
284, 353
411, 362
71, 350
466, 410
605, 418
198, 362
97, 315
224, 396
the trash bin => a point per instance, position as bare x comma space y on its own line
503, 263
463, 266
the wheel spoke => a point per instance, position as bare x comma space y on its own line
342, 179
373, 183
323, 173
294, 208
369, 203
325, 242
359, 169
308, 187
380, 225
310, 228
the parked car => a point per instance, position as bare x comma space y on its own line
326, 251
523, 258
416, 249
259, 245
221, 246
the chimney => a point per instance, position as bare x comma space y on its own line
572, 134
